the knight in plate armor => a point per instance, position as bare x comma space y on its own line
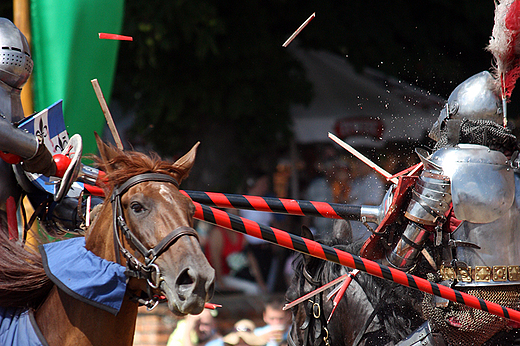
464, 212
16, 66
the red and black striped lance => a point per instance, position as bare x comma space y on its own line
315, 249
277, 205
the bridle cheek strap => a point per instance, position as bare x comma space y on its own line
136, 268
171, 238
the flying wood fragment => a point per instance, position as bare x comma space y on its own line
289, 40
106, 36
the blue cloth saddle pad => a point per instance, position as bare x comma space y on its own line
18, 328
83, 275
79, 273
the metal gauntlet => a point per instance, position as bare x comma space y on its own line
431, 199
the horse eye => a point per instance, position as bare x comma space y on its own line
137, 207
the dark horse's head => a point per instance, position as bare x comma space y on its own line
380, 312
157, 213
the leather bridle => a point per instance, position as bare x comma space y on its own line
315, 324
135, 268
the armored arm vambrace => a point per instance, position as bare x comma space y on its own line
478, 182
431, 198
16, 141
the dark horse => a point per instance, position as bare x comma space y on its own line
155, 218
372, 311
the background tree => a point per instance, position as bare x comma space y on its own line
212, 71
215, 71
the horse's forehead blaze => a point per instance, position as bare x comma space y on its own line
166, 193
169, 209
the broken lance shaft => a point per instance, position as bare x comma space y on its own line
285, 206
315, 249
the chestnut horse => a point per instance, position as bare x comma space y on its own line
372, 311
159, 249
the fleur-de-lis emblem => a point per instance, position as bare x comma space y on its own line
62, 143
42, 130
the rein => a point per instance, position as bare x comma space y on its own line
135, 268
315, 315
315, 322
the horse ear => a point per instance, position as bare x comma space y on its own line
342, 230
105, 152
185, 163
306, 233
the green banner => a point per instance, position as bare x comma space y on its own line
68, 54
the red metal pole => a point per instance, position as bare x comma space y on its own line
315, 249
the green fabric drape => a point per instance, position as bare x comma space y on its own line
68, 54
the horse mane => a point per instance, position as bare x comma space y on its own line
23, 282
399, 309
127, 164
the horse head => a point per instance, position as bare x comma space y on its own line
309, 325
372, 311
153, 228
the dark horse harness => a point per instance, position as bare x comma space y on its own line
315, 328
135, 268
315, 324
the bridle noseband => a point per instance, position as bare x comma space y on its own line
315, 318
135, 268
315, 321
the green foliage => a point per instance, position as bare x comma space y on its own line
195, 63
215, 69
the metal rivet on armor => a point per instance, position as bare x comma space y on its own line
499, 273
482, 273
514, 273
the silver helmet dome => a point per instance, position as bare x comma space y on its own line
16, 64
16, 67
474, 99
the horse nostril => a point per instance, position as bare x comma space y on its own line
210, 289
185, 279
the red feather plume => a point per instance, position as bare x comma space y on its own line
505, 45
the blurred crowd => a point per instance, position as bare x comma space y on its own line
203, 329
252, 266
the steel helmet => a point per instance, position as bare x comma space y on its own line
475, 98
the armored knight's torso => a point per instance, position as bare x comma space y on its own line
485, 194
497, 262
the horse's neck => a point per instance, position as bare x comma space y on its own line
64, 320
355, 302
361, 306
99, 238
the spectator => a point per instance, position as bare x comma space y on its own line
262, 258
277, 323
225, 252
197, 330
243, 335
367, 188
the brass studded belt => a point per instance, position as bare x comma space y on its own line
482, 273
